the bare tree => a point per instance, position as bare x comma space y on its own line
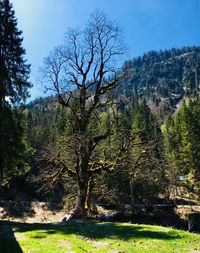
82, 72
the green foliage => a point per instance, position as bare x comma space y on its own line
182, 142
147, 168
97, 237
17, 149
43, 125
14, 69
14, 84
155, 160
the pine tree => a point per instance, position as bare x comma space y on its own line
182, 148
147, 171
183, 130
14, 74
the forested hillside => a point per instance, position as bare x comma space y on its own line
113, 145
154, 116
164, 77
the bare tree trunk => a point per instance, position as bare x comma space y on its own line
132, 196
83, 204
81, 208
91, 208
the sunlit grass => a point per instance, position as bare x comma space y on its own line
79, 237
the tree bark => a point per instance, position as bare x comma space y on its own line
87, 59
81, 208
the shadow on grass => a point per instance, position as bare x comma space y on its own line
8, 242
94, 230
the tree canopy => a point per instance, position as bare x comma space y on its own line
14, 84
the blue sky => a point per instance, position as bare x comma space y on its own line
146, 24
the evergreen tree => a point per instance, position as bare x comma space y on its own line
14, 84
147, 175
182, 149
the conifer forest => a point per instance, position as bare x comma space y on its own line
112, 141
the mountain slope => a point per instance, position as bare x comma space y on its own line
164, 77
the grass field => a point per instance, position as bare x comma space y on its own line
80, 237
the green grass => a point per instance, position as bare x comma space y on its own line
80, 237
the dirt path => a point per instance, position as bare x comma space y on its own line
31, 211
